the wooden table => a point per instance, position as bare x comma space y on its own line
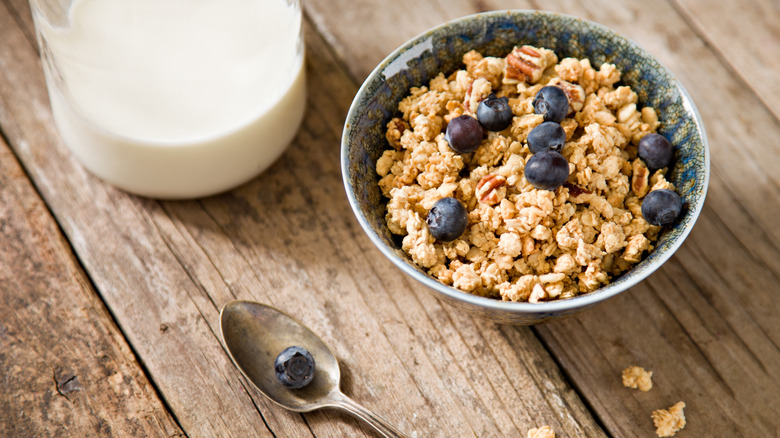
109, 302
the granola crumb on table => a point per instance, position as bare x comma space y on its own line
523, 243
541, 432
637, 378
669, 421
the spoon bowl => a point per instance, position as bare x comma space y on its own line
255, 334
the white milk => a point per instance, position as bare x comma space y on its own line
176, 98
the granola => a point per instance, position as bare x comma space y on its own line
637, 378
523, 243
541, 432
669, 421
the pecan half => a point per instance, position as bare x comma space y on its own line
487, 189
525, 63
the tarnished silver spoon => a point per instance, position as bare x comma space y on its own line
255, 334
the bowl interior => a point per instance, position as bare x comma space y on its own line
495, 34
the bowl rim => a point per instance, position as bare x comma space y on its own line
493, 304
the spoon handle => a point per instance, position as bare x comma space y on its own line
378, 423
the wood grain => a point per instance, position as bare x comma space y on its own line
67, 369
152, 299
746, 36
288, 239
705, 322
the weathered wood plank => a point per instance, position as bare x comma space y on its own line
67, 370
289, 239
704, 323
156, 311
362, 47
746, 36
709, 312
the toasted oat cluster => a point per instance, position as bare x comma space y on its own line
541, 432
637, 378
669, 421
523, 243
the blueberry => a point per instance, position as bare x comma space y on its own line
656, 151
547, 136
547, 170
494, 113
552, 103
294, 367
662, 207
464, 134
447, 219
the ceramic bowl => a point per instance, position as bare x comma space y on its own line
494, 34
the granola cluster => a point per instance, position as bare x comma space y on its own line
522, 243
541, 432
669, 421
638, 378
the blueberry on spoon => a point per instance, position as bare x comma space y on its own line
294, 367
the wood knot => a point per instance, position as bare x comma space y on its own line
66, 382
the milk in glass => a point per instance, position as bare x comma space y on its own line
175, 98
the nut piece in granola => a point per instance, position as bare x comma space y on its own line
527, 63
541, 432
668, 421
487, 189
637, 378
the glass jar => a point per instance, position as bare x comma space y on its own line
174, 98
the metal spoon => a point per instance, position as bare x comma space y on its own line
255, 334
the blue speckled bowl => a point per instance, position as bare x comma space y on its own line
494, 34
